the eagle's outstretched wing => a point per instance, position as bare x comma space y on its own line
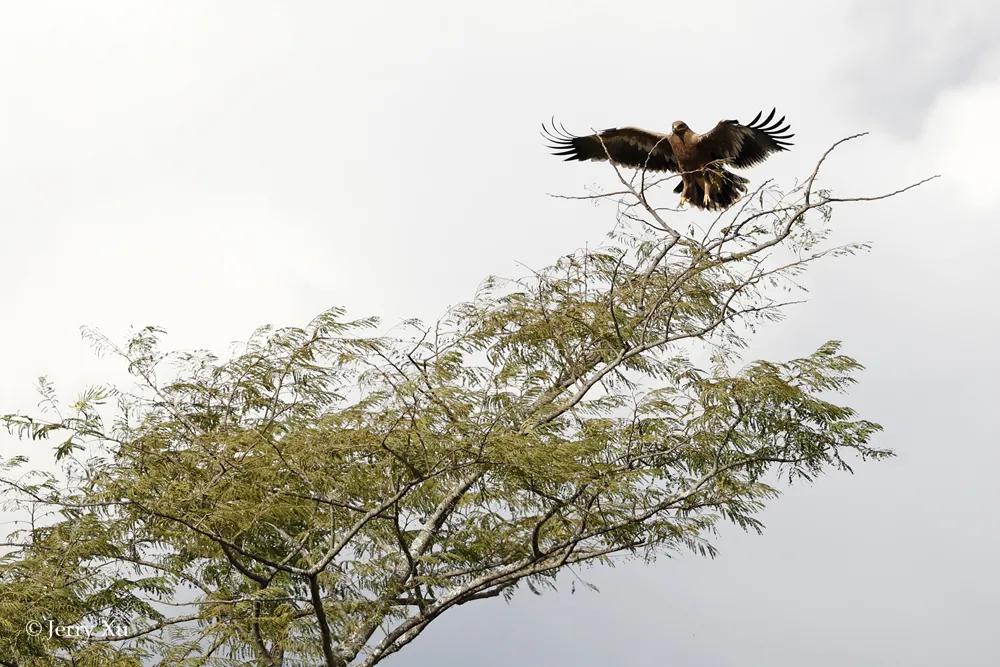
745, 145
629, 146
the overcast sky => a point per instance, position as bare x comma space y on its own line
209, 167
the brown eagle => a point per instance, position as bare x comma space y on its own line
700, 159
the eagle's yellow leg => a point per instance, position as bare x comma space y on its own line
684, 195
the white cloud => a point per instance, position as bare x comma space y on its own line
960, 130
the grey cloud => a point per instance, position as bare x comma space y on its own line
903, 54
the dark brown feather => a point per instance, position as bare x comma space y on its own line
745, 145
628, 146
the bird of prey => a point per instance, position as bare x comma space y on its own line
700, 159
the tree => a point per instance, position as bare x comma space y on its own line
326, 493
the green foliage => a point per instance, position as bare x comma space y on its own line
327, 492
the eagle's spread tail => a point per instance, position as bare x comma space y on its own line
714, 189
725, 188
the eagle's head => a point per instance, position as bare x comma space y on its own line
680, 127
